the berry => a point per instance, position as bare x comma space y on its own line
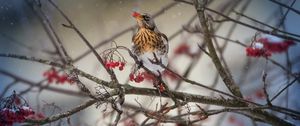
52, 75
161, 88
131, 77
15, 112
138, 78
114, 64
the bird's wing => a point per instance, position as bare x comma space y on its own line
164, 58
165, 41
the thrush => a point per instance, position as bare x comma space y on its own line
149, 44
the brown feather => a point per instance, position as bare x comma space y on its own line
146, 40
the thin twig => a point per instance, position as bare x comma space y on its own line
286, 6
227, 78
264, 77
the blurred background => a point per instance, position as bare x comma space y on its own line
22, 31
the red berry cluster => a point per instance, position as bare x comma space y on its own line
257, 52
139, 77
136, 78
130, 122
234, 121
259, 94
15, 115
53, 75
183, 49
276, 47
267, 45
36, 116
231, 119
161, 88
14, 109
114, 64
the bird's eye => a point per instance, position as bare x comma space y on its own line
146, 18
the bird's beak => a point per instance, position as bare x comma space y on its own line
136, 15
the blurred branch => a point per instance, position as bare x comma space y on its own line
197, 30
264, 24
282, 19
116, 105
21, 44
256, 28
7, 88
286, 87
179, 95
61, 115
200, 7
227, 78
264, 77
47, 26
236, 103
253, 27
286, 6
33, 84
72, 26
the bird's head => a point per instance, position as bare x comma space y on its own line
144, 20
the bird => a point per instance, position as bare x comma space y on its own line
149, 44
